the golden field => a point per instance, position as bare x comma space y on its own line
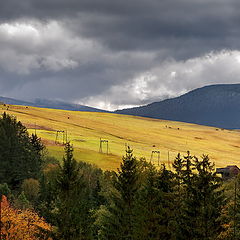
144, 135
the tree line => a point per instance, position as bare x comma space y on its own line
138, 201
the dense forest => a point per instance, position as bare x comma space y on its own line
43, 198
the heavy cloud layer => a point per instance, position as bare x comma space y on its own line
114, 54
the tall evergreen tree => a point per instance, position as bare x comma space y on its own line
18, 157
179, 196
154, 214
66, 186
202, 200
72, 211
117, 220
209, 197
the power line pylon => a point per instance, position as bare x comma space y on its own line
158, 157
64, 136
101, 143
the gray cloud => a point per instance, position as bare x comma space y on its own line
171, 78
187, 27
114, 54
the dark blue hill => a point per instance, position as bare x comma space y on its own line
44, 103
13, 101
215, 105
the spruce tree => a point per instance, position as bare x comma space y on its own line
19, 159
72, 212
189, 202
179, 196
116, 220
154, 214
37, 151
202, 200
209, 197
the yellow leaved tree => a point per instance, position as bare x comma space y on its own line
22, 224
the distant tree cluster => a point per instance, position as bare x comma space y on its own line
136, 202
73, 200
147, 203
20, 154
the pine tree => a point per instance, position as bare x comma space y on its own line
154, 209
18, 158
209, 197
189, 203
202, 201
37, 150
116, 221
71, 207
178, 166
179, 196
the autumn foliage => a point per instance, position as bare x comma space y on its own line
22, 224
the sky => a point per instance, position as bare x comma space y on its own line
116, 54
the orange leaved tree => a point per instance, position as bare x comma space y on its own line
22, 224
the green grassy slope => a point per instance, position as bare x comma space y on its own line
84, 130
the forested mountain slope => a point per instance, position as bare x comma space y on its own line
215, 105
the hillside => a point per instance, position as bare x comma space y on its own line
84, 130
45, 103
14, 101
215, 105
54, 104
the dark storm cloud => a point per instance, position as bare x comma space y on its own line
116, 53
188, 27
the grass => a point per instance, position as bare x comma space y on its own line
84, 130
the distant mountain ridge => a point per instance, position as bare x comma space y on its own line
214, 105
55, 104
13, 101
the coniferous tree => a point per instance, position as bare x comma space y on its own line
154, 215
179, 196
189, 204
178, 166
37, 152
166, 184
202, 200
209, 197
72, 209
19, 159
116, 221
69, 185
